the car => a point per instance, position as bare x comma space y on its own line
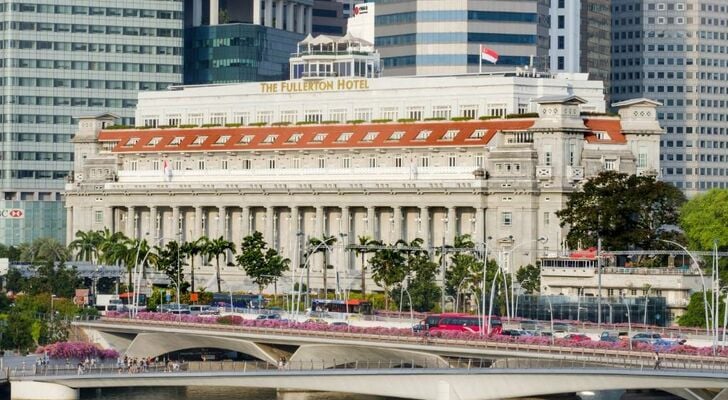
420, 327
613, 336
339, 323
646, 337
269, 316
563, 327
530, 325
577, 337
197, 309
316, 321
514, 332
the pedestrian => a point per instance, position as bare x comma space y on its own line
79, 370
657, 360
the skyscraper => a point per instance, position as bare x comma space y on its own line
424, 37
674, 52
581, 38
62, 59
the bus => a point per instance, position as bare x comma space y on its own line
351, 306
459, 322
239, 300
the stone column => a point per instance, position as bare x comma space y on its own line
397, 215
69, 225
246, 228
268, 13
256, 12
269, 225
319, 222
109, 218
309, 20
176, 224
346, 230
131, 222
479, 234
197, 13
451, 225
153, 228
300, 23
279, 14
290, 10
371, 220
198, 232
424, 231
214, 12
222, 222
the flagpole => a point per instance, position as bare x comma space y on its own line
480, 60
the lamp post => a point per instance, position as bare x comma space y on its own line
135, 308
306, 264
482, 289
551, 314
629, 322
702, 280
53, 296
542, 239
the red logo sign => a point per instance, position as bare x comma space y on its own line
14, 213
356, 10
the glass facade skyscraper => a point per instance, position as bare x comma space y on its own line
62, 59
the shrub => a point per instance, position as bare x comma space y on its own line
233, 125
210, 125
381, 120
188, 126
435, 119
523, 115
355, 121
113, 127
306, 123
167, 126
75, 350
330, 122
280, 123
460, 119
258, 124
406, 120
487, 117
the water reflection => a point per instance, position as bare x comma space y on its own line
213, 393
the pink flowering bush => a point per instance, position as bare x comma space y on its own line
76, 350
405, 332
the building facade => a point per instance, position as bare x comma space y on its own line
499, 180
443, 37
581, 38
60, 60
328, 18
674, 51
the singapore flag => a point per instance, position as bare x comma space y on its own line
489, 55
167, 170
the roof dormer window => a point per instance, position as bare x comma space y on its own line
176, 141
295, 138
344, 137
370, 136
199, 140
270, 139
154, 141
478, 134
222, 139
320, 137
396, 135
601, 135
423, 135
450, 135
246, 139
132, 142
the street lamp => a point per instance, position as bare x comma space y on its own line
482, 289
629, 323
53, 296
551, 314
306, 264
543, 240
702, 280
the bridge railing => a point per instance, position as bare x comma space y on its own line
608, 355
464, 365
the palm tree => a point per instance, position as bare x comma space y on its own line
216, 248
192, 249
388, 268
362, 251
43, 249
87, 245
322, 245
107, 242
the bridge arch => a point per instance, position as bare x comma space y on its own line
330, 356
157, 344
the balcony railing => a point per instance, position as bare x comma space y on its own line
517, 137
575, 173
544, 172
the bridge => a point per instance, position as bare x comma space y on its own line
392, 379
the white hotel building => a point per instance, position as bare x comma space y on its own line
425, 176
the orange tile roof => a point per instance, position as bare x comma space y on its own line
285, 136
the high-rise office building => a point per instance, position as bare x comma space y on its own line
422, 37
229, 41
60, 60
674, 52
328, 18
581, 38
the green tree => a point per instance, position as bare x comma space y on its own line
86, 245
170, 260
462, 266
216, 248
43, 249
388, 268
365, 246
18, 332
705, 218
420, 280
322, 245
529, 277
193, 249
625, 211
10, 252
262, 264
695, 313
54, 278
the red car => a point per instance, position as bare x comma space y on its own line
577, 337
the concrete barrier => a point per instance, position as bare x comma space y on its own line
31, 390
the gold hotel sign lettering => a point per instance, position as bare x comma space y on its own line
314, 86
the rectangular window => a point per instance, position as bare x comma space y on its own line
424, 162
451, 161
272, 163
479, 161
224, 164
610, 165
398, 162
441, 112
346, 162
201, 164
246, 164
99, 217
372, 162
414, 113
296, 163
546, 218
572, 154
389, 113
507, 218
547, 155
322, 162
